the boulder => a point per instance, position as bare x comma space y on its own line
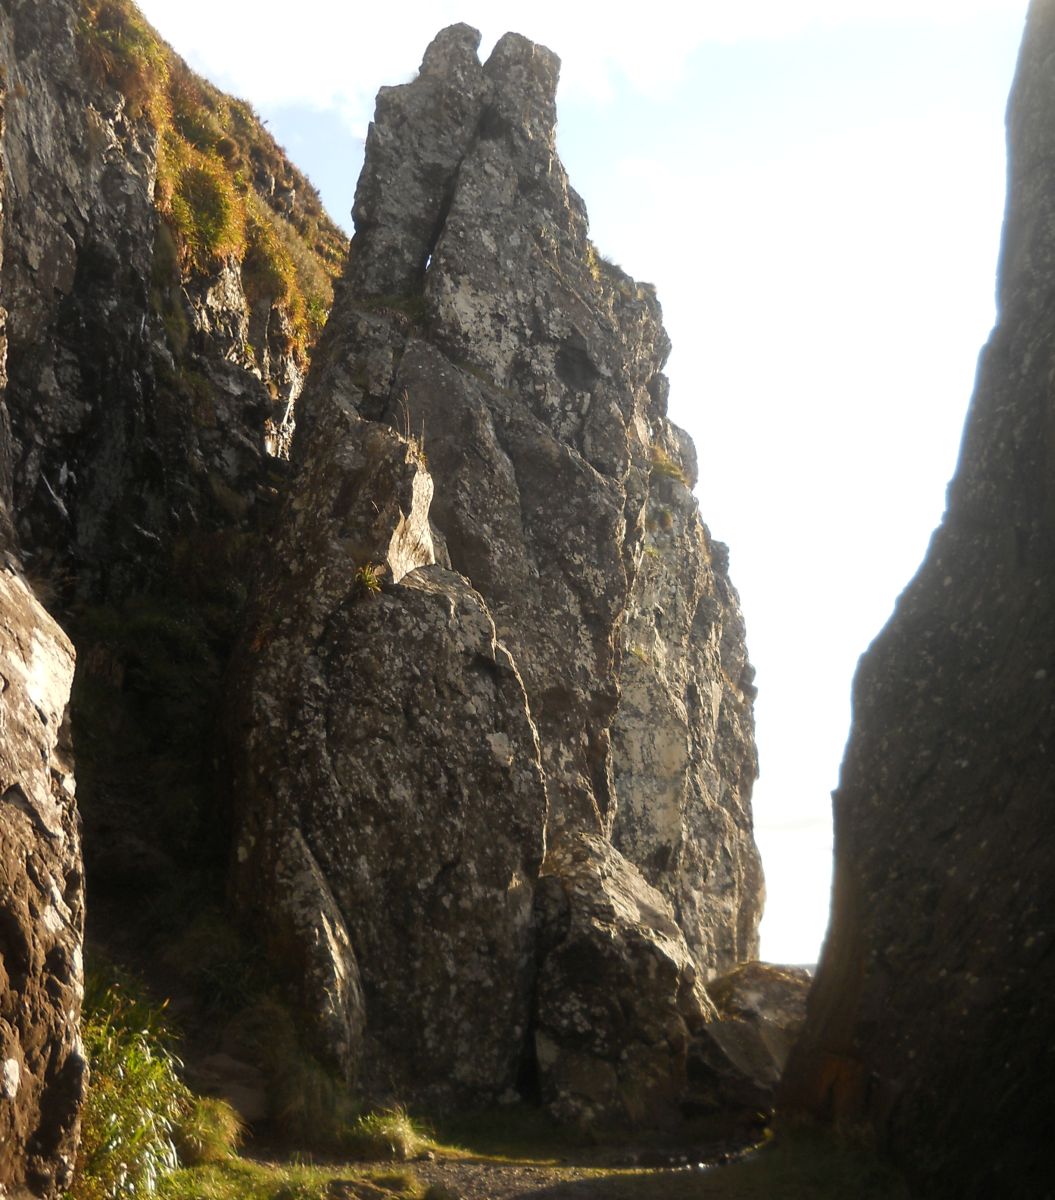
736, 1061
618, 995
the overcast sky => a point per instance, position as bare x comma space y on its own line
816, 189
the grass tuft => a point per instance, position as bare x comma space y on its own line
664, 465
389, 1133
135, 1099
369, 578
209, 1131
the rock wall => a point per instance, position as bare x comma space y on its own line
390, 801
42, 1073
929, 1021
142, 377
42, 1070
513, 378
153, 374
431, 709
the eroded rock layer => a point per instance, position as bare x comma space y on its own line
930, 1021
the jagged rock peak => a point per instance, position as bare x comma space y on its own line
422, 131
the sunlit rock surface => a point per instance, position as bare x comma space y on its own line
930, 1021
478, 317
618, 994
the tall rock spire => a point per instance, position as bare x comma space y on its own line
523, 376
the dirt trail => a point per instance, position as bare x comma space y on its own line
469, 1180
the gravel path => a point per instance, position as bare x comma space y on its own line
508, 1181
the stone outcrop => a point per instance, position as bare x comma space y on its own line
478, 316
138, 404
438, 699
477, 333
930, 1021
390, 801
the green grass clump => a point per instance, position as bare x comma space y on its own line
198, 196
369, 578
123, 51
663, 464
208, 1131
135, 1098
389, 1133
220, 177
140, 1120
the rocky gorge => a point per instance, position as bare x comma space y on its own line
363, 592
377, 699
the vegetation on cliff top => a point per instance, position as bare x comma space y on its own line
225, 188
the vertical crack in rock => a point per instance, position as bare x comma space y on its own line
930, 1018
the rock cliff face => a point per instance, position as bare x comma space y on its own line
594, 692
42, 1071
479, 317
929, 1020
391, 801
147, 372
159, 281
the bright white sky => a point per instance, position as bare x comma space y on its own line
816, 189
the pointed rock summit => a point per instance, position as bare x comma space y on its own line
550, 683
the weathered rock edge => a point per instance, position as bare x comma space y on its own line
930, 1019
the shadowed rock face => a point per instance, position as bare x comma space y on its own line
930, 1018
